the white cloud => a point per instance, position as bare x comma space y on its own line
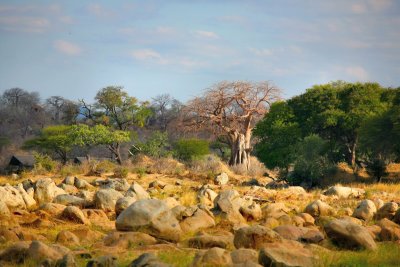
357, 72
207, 34
148, 55
67, 48
261, 52
24, 24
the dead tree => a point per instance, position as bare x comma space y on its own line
232, 109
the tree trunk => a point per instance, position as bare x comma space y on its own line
115, 150
351, 158
240, 153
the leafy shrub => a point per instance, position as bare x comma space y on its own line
191, 149
377, 168
121, 172
44, 163
312, 162
157, 146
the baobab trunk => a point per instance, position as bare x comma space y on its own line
240, 150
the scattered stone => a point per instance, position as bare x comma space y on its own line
254, 237
119, 184
206, 196
74, 214
228, 203
199, 220
221, 239
365, 210
67, 199
69, 180
222, 179
67, 238
148, 260
151, 216
286, 253
53, 209
388, 210
212, 257
123, 203
137, 191
103, 261
319, 208
82, 184
126, 240
244, 256
349, 235
251, 212
46, 190
390, 231
106, 199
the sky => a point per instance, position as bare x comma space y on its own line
74, 48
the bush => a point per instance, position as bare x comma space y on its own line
43, 163
312, 162
191, 149
210, 165
121, 172
167, 166
257, 168
377, 168
100, 167
157, 146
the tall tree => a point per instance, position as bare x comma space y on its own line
232, 109
165, 110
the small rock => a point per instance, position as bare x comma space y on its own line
365, 210
148, 260
212, 257
319, 208
74, 214
222, 179
254, 237
103, 261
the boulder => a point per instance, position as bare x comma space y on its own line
221, 239
46, 190
67, 238
30, 202
365, 210
275, 210
69, 180
212, 257
319, 208
127, 240
137, 191
254, 236
82, 184
349, 234
388, 210
52, 208
206, 196
344, 192
88, 197
199, 220
70, 189
148, 260
106, 199
11, 197
150, 216
299, 233
67, 199
251, 212
228, 204
103, 261
244, 255
286, 253
119, 184
123, 203
74, 214
4, 211
222, 179
16, 253
40, 251
390, 231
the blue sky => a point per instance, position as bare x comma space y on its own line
74, 48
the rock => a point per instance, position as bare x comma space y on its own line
254, 237
66, 199
244, 255
46, 190
103, 261
70, 189
127, 240
106, 199
86, 235
69, 180
123, 203
396, 217
137, 191
251, 212
299, 233
95, 215
349, 235
199, 220
4, 211
275, 210
344, 192
286, 253
67, 238
74, 214
67, 261
119, 184
319, 208
40, 251
88, 197
222, 179
16, 253
212, 257
148, 260
7, 235
150, 216
390, 231
12, 197
374, 231
82, 184
171, 202
378, 203
388, 210
206, 196
228, 203
27, 184
157, 184
221, 239
308, 219
52, 208
365, 210
30, 203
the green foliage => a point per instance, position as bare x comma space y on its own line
189, 149
377, 169
121, 172
312, 162
278, 135
44, 163
222, 148
156, 146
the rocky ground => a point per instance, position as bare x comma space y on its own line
162, 220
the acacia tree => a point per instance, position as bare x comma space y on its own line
231, 109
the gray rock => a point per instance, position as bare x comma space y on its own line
103, 261
106, 199
254, 236
67, 199
74, 214
212, 257
222, 179
365, 210
150, 216
137, 191
46, 190
344, 192
349, 234
11, 197
123, 203
221, 239
388, 210
319, 208
119, 184
148, 260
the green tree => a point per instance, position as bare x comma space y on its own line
156, 146
189, 149
278, 135
53, 139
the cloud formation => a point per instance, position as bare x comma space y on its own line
67, 48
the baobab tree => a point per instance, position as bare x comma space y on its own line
232, 109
